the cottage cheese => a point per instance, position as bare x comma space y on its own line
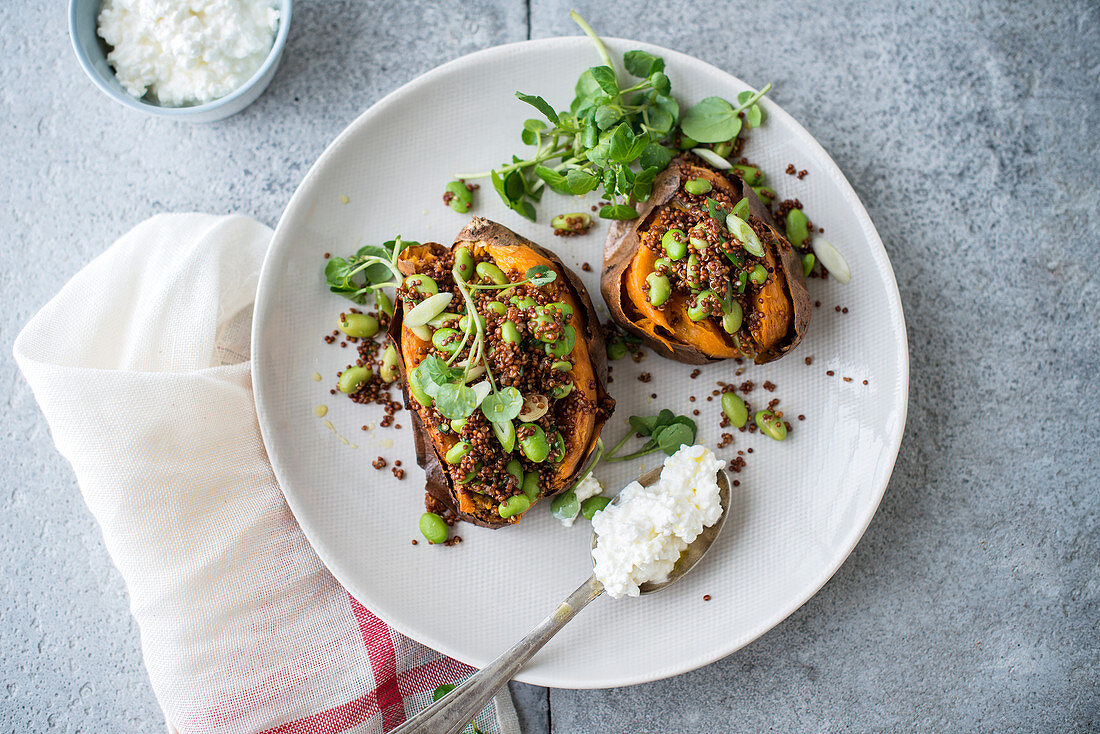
186, 52
640, 538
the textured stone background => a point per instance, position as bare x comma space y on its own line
970, 130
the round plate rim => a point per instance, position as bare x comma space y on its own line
878, 253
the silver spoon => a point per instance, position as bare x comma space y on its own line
452, 713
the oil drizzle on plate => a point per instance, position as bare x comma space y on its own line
321, 411
328, 425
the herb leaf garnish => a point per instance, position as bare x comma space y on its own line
617, 133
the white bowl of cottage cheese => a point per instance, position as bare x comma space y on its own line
195, 60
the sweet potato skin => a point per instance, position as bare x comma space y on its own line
620, 280
590, 372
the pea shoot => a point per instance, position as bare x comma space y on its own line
618, 133
445, 381
367, 272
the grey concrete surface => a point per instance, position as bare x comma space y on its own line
972, 133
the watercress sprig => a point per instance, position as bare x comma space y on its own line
666, 431
369, 270
615, 134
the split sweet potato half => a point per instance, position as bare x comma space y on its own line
507, 407
697, 285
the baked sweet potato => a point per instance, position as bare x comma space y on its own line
698, 286
487, 457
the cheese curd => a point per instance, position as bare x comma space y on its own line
186, 52
640, 537
587, 487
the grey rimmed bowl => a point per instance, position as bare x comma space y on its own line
91, 52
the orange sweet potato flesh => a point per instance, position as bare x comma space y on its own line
672, 319
513, 254
780, 309
518, 259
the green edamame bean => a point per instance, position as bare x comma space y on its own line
700, 307
514, 506
464, 263
674, 244
497, 307
492, 272
692, 271
509, 332
384, 304
766, 195
457, 424
461, 197
433, 528
659, 288
771, 424
731, 319
353, 378
576, 222
446, 340
687, 143
562, 365
723, 150
676, 250
616, 349
808, 261
563, 347
592, 505
558, 310
735, 409
359, 325
466, 324
421, 284
535, 446
797, 227
516, 470
698, 186
524, 302
506, 435
561, 391
759, 275
753, 176
741, 209
540, 334
455, 453
389, 370
698, 243
417, 390
531, 485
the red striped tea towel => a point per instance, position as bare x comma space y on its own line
140, 365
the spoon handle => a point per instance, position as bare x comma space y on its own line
453, 712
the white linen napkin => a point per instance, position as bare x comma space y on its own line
140, 365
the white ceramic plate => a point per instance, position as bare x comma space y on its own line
801, 506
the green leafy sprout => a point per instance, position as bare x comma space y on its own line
666, 432
617, 134
445, 381
368, 271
